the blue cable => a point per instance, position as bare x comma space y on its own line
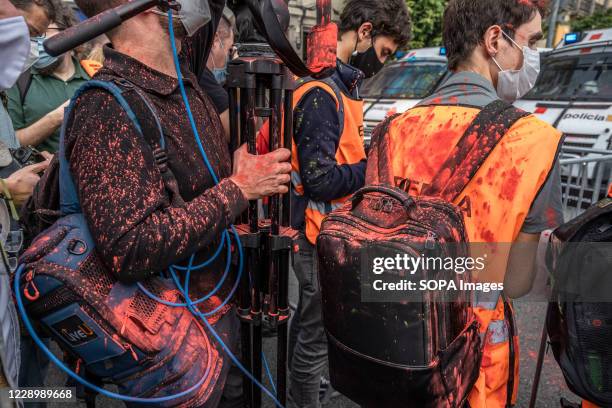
205, 263
228, 265
268, 372
218, 338
78, 378
190, 303
179, 77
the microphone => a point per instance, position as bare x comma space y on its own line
100, 24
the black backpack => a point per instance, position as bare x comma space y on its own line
579, 319
425, 352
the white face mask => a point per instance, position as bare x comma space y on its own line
514, 84
33, 55
194, 14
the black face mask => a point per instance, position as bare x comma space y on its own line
367, 62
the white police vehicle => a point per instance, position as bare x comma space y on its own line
574, 94
574, 90
402, 84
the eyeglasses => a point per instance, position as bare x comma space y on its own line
34, 35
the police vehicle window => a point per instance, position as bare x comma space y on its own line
409, 80
574, 76
600, 86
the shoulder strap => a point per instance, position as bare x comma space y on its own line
69, 200
23, 84
337, 93
151, 127
473, 149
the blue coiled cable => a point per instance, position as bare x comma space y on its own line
190, 304
78, 378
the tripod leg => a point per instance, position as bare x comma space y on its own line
540, 363
284, 270
283, 304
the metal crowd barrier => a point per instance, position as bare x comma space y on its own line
585, 177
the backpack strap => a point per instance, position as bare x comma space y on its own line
151, 126
23, 84
490, 125
69, 200
337, 92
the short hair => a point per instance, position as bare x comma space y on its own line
64, 15
466, 21
388, 17
92, 7
45, 4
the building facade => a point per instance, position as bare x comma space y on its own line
578, 8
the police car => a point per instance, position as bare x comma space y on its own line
402, 84
574, 90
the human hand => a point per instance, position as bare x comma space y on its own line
22, 182
261, 176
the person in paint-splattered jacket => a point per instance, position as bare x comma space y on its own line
516, 194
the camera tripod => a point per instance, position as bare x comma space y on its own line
263, 86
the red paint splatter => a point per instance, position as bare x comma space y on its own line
488, 236
510, 185
551, 217
322, 45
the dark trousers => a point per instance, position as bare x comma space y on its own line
308, 352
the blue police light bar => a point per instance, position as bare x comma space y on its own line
400, 54
572, 38
443, 51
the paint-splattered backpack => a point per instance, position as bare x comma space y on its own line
423, 349
579, 319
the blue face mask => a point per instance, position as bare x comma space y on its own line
220, 74
44, 60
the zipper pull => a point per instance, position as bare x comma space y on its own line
30, 284
128, 346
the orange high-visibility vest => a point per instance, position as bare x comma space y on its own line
91, 67
351, 150
498, 198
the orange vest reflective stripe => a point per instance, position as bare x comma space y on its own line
351, 150
91, 67
496, 203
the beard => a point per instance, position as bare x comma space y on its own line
47, 71
179, 30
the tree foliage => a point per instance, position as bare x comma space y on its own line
602, 19
426, 22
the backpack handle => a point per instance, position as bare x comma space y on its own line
406, 201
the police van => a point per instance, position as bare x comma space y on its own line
574, 94
402, 84
574, 90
